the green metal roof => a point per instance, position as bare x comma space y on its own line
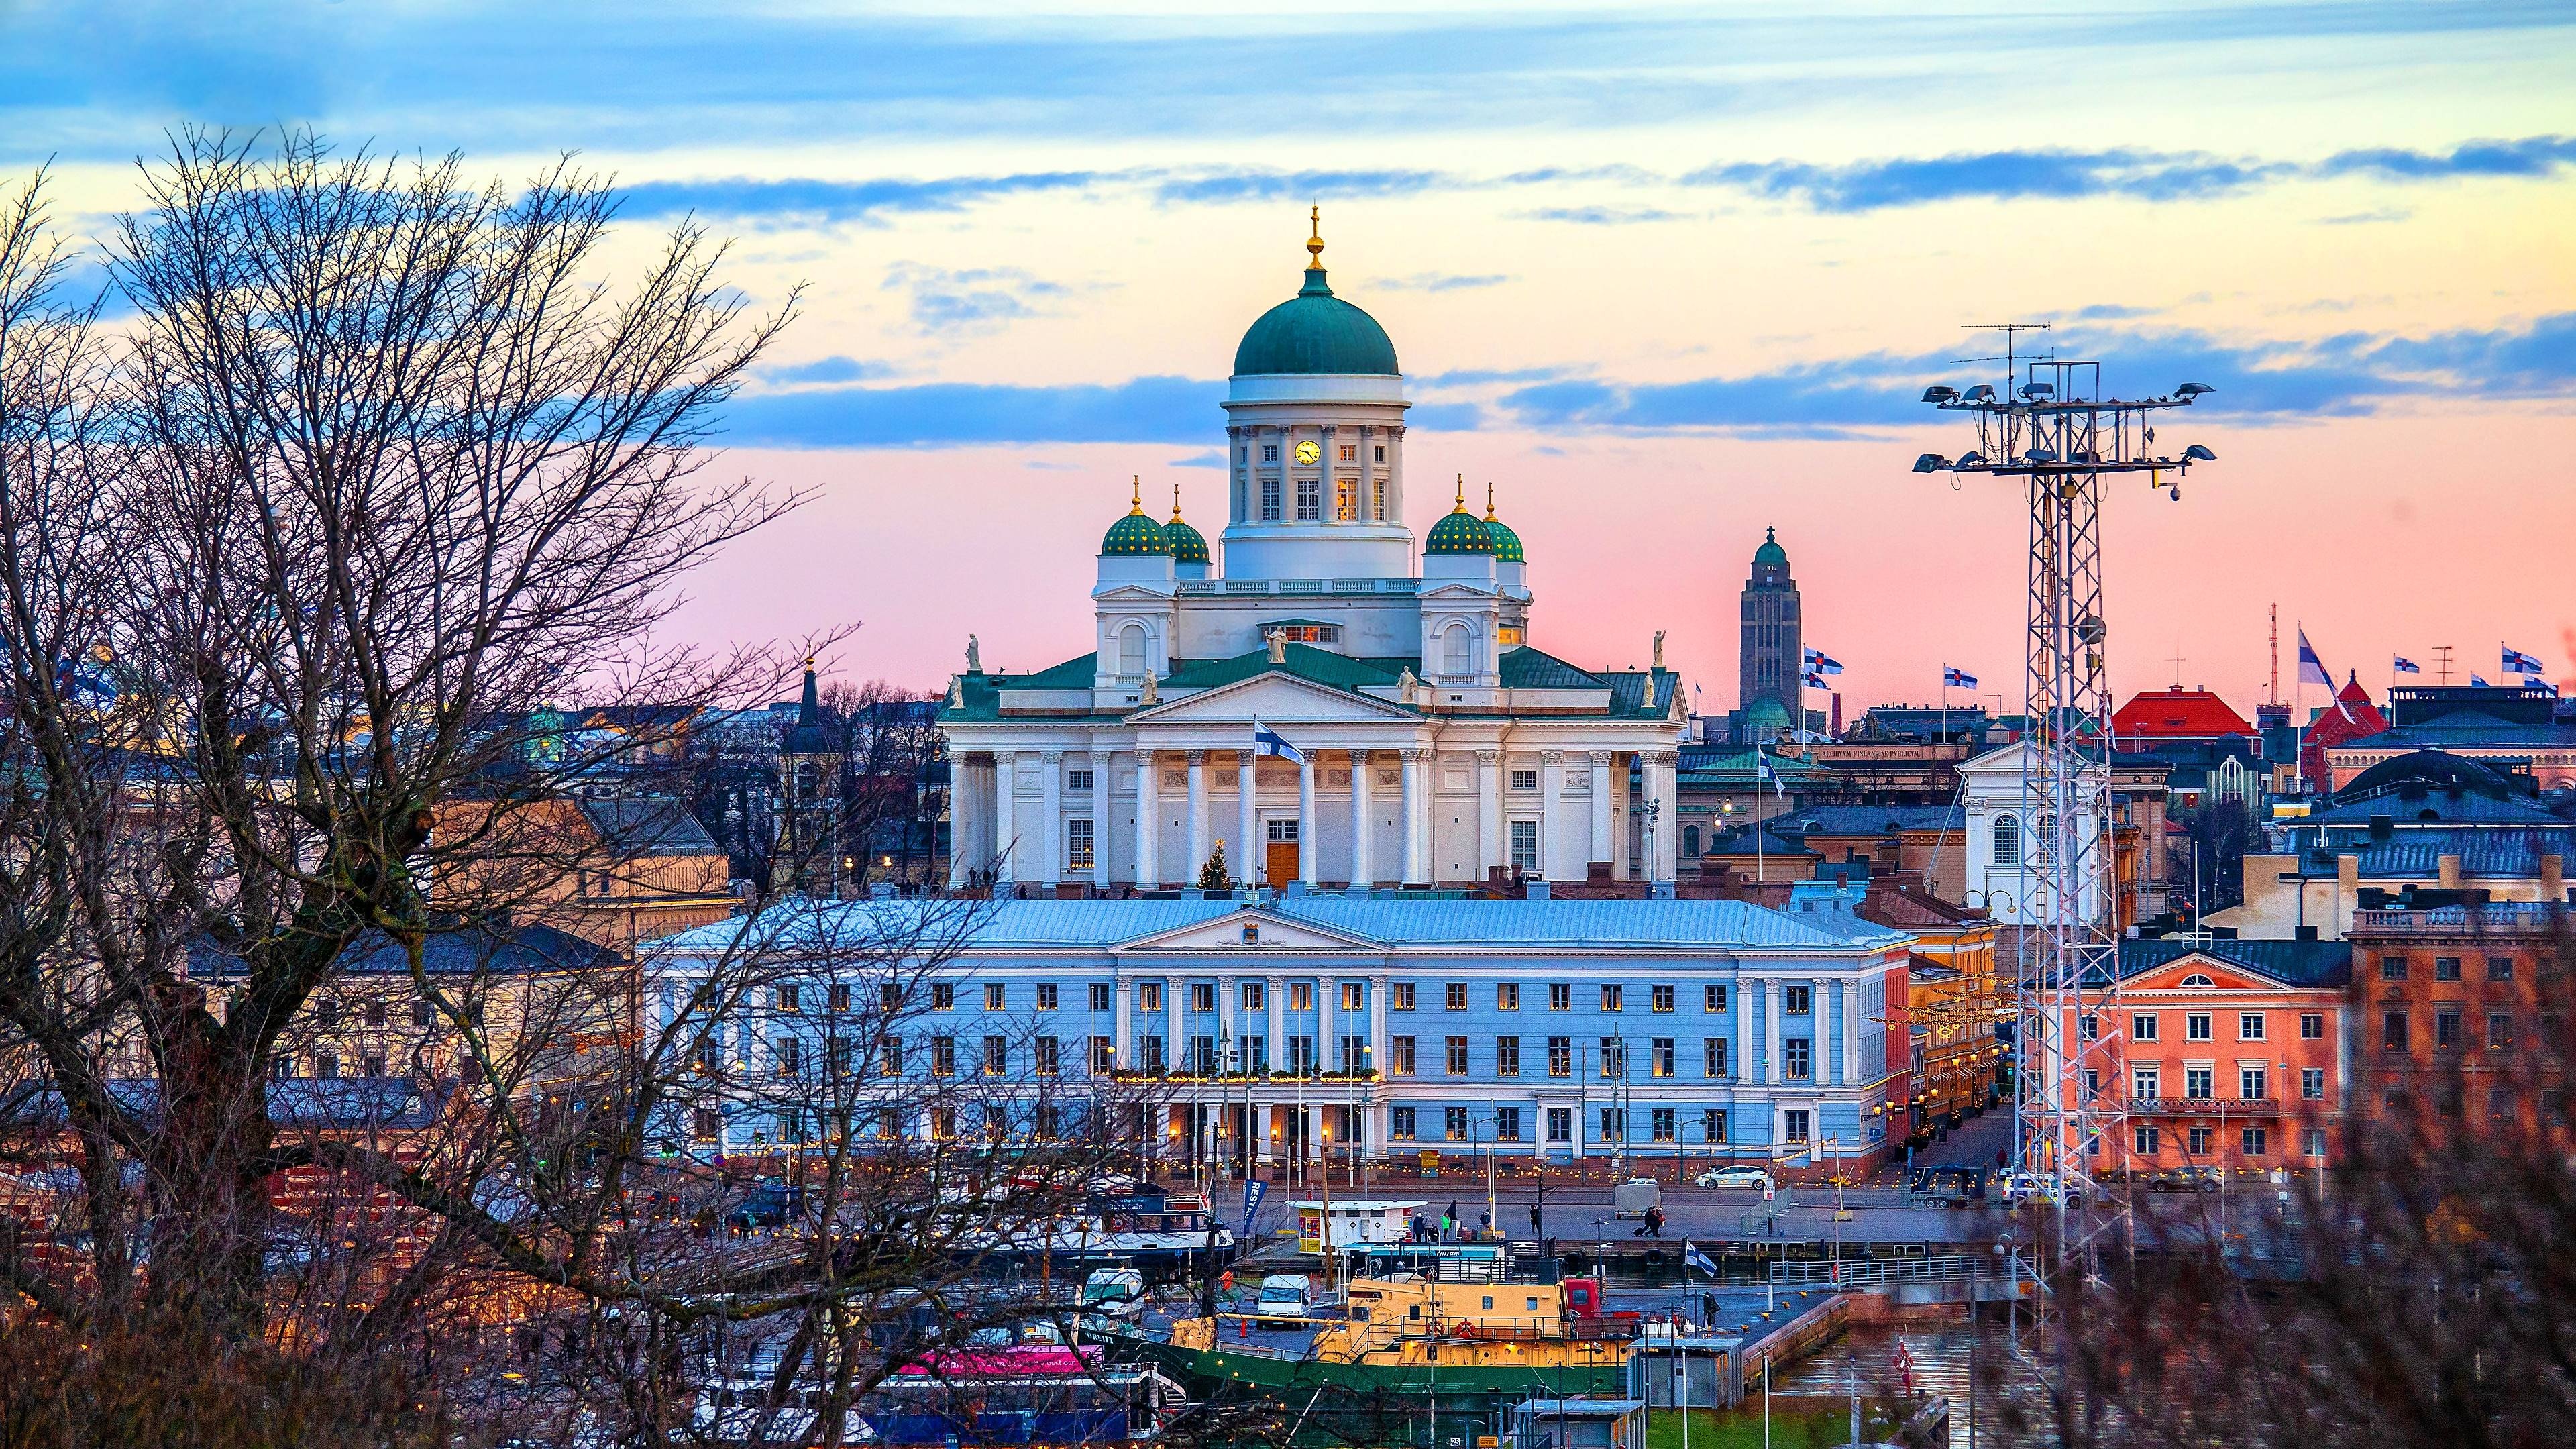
1458, 532
1321, 666
1188, 544
1507, 544
1315, 331
1527, 668
1136, 535
1771, 552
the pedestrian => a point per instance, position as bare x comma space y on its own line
1484, 1225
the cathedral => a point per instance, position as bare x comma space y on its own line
1310, 699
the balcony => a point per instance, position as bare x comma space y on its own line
2204, 1107
2496, 918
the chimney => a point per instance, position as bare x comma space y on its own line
2450, 872
2347, 875
1838, 713
2553, 877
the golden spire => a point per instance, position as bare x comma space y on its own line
1489, 501
1135, 495
1462, 494
1315, 239
1176, 503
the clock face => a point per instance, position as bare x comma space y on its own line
1308, 452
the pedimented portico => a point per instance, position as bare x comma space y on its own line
1438, 747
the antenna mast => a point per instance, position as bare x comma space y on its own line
2060, 438
2272, 691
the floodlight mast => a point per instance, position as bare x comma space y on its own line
2063, 438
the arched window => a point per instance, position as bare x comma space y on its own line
2197, 979
1131, 649
2007, 840
1458, 650
1690, 840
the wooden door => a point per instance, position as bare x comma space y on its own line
1281, 867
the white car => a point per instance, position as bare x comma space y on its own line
2022, 1187
1734, 1177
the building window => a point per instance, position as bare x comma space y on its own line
2196, 1026
2312, 1084
1793, 1127
1524, 779
1560, 996
943, 1056
2392, 968
2446, 1031
784, 998
1614, 1057
1457, 996
1077, 844
2499, 968
1507, 996
1525, 846
1255, 1051
2499, 1031
1104, 1055
1507, 1124
1399, 1123
1795, 1052
1309, 500
1614, 1125
2392, 1030
2145, 1137
1661, 1126
1399, 996
2142, 1026
1560, 1124
1254, 996
1659, 1057
2145, 1082
1713, 1057
1453, 1124
1401, 1049
2313, 1141
422, 1013
1712, 998
706, 1123
2008, 840
1270, 493
1079, 779
1270, 452
2090, 1027
2253, 1084
790, 1052
1712, 1125
1798, 999
2197, 1141
1301, 996
1158, 1058
1611, 997
1560, 1056
1149, 996
1202, 996
2446, 968
1663, 998
2200, 1084
1346, 502
1377, 497
890, 1055
1507, 1056
2312, 1026
997, 1056
943, 996
2249, 1026
1456, 1053
994, 996
2255, 1141
1354, 996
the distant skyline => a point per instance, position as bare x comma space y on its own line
1665, 276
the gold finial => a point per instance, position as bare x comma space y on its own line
1176, 503
1315, 239
1462, 493
1489, 502
1135, 494
809, 661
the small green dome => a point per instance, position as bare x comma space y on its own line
1771, 552
1188, 544
1459, 531
1136, 535
1766, 715
1507, 544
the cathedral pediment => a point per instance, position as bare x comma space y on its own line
1251, 929
1274, 697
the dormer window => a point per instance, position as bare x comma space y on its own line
2198, 979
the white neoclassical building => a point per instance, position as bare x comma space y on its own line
1439, 747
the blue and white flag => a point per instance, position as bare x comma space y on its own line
2517, 662
1267, 741
1957, 678
1812, 680
1692, 1257
2404, 665
1819, 662
1764, 774
2478, 679
2312, 670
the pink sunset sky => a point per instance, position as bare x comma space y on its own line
1663, 276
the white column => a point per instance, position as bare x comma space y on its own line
1308, 867
1198, 819
1149, 821
1600, 808
965, 817
1326, 1057
1660, 769
1174, 1024
1851, 1033
1741, 1068
1104, 805
1126, 1025
1006, 828
1416, 848
1362, 876
1772, 1001
1276, 999
1377, 1029
1248, 821
1051, 828
1489, 813
1551, 780
1622, 808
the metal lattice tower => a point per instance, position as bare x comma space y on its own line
2062, 438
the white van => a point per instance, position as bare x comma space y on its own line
1285, 1298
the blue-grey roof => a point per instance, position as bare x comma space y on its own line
2508, 853
1873, 819
2457, 731
983, 926
2292, 963
2437, 807
465, 950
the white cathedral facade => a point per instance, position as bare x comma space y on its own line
1439, 748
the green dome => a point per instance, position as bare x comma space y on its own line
1507, 544
1459, 531
1315, 331
1771, 552
1188, 544
1138, 536
1766, 714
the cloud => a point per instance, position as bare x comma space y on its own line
825, 370
1174, 410
2111, 312
1601, 215
1205, 458
971, 299
1232, 185
1445, 417
809, 201
2365, 218
1440, 282
2531, 156
1481, 376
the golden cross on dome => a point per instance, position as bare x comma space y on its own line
1462, 493
1489, 502
1315, 239
1176, 503
1135, 493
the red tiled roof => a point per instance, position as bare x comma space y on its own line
2177, 714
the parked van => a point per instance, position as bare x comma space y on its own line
1636, 1197
1285, 1299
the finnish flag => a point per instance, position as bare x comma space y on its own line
1267, 741
1692, 1257
1764, 774
1819, 662
2312, 670
2404, 665
1957, 678
2478, 680
2517, 662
